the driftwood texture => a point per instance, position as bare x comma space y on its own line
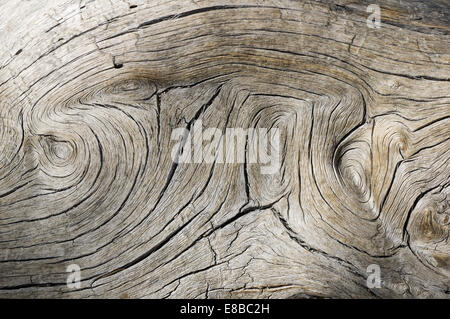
90, 92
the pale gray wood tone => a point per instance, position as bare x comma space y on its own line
90, 92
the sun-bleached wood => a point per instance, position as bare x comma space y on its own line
90, 92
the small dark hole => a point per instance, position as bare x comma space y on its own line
133, 6
19, 52
118, 65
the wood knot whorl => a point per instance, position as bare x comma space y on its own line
429, 230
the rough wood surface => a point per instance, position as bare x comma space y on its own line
90, 92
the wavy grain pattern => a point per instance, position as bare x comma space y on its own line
90, 92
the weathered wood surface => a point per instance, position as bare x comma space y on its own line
90, 92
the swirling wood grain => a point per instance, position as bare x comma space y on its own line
90, 92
